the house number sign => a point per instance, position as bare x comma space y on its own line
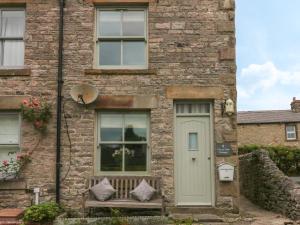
224, 149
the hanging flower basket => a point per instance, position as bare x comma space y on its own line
36, 112
10, 169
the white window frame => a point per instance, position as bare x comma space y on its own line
98, 38
17, 146
97, 167
13, 38
294, 132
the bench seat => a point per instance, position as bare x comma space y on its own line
122, 198
126, 203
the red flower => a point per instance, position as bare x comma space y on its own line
35, 102
5, 162
38, 124
19, 156
25, 102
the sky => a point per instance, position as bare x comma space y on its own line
268, 53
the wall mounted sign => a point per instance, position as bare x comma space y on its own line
224, 149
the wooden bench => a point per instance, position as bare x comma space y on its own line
122, 198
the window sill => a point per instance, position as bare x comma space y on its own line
13, 184
12, 2
291, 140
119, 72
15, 72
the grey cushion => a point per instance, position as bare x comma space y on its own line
143, 192
103, 191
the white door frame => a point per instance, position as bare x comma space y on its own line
211, 144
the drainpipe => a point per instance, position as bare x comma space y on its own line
59, 97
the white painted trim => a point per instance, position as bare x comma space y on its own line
122, 38
97, 154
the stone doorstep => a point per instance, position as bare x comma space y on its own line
12, 215
10, 222
196, 217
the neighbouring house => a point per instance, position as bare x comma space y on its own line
164, 70
270, 127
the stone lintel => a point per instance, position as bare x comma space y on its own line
194, 92
120, 1
13, 185
12, 2
8, 102
14, 71
126, 102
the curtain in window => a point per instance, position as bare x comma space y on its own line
12, 30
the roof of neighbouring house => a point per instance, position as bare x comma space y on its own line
268, 116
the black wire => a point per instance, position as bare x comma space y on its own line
70, 142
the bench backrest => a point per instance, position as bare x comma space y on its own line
125, 184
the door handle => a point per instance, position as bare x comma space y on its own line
193, 158
209, 158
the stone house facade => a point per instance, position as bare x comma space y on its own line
162, 87
273, 127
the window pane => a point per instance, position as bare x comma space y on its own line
13, 23
134, 23
290, 128
111, 127
110, 53
192, 108
193, 141
134, 52
135, 157
135, 127
13, 53
291, 136
109, 23
111, 157
8, 152
9, 129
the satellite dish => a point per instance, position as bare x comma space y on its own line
84, 94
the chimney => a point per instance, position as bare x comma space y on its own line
295, 105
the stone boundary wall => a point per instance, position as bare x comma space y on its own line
265, 185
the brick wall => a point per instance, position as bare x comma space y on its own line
265, 134
191, 43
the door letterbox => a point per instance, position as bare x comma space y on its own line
226, 172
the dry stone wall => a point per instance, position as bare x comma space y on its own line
264, 184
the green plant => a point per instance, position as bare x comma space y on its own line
13, 166
42, 213
37, 112
286, 158
188, 221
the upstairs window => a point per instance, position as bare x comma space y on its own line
9, 135
122, 38
12, 22
291, 132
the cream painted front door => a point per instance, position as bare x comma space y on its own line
193, 161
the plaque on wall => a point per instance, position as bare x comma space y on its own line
223, 149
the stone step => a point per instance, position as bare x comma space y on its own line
10, 222
10, 216
196, 217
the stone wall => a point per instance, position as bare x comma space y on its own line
191, 47
265, 134
265, 185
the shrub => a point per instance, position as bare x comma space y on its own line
286, 158
43, 213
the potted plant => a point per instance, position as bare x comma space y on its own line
42, 214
